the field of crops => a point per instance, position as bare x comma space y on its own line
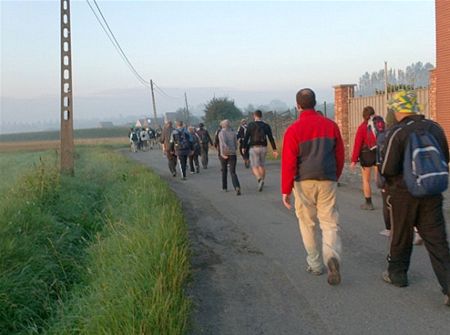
104, 252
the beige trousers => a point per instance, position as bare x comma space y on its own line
315, 203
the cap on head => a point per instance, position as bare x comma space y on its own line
404, 102
201, 125
306, 98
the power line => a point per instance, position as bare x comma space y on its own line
115, 43
161, 91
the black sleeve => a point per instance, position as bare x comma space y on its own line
269, 135
209, 138
246, 142
392, 154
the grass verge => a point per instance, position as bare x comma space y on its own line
104, 252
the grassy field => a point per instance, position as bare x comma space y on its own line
53, 135
104, 252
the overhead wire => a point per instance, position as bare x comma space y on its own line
115, 43
161, 91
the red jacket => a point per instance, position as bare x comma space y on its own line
363, 138
312, 149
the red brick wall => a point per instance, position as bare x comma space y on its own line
342, 94
443, 64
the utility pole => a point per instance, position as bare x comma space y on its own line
153, 101
66, 131
187, 109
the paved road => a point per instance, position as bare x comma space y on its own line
249, 265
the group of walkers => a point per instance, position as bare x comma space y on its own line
143, 138
407, 153
411, 157
181, 144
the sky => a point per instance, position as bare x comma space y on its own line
251, 51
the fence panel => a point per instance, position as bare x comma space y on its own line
378, 102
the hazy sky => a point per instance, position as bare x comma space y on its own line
253, 46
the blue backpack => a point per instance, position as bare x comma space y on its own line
425, 170
182, 140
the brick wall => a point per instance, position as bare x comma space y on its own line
443, 64
342, 94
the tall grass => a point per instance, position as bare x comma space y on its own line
102, 253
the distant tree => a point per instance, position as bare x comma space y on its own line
415, 75
218, 109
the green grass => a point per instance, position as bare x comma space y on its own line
104, 252
78, 134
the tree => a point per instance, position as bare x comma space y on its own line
218, 109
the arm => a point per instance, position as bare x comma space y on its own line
270, 136
392, 155
359, 139
246, 143
288, 165
339, 152
221, 138
209, 138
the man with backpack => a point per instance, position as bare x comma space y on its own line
255, 141
415, 164
166, 136
205, 141
181, 142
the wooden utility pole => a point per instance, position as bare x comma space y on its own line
155, 117
66, 131
187, 109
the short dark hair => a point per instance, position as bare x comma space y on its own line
306, 98
368, 111
257, 113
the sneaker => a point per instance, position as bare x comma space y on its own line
316, 272
238, 191
417, 239
447, 300
334, 276
367, 207
224, 190
387, 278
385, 232
260, 185
192, 172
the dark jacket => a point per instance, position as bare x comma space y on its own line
203, 134
257, 134
166, 136
392, 154
175, 140
312, 150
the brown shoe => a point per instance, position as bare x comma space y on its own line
334, 276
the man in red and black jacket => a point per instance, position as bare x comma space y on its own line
312, 162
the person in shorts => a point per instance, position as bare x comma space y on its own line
364, 151
255, 141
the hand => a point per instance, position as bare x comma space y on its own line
353, 166
275, 154
224, 156
287, 201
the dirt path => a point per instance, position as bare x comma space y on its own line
249, 265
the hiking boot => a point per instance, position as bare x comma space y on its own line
334, 276
238, 191
367, 207
316, 272
387, 278
260, 185
385, 232
447, 300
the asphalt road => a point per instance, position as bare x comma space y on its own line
249, 264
